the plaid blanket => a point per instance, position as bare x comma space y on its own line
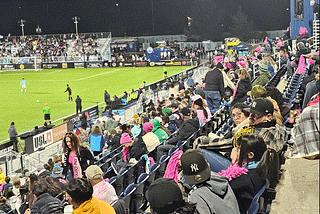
306, 134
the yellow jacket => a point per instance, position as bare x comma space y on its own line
2, 178
94, 206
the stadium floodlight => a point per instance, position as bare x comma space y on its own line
76, 19
38, 30
189, 21
21, 22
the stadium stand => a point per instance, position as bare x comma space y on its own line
132, 178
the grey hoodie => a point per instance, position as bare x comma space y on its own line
214, 196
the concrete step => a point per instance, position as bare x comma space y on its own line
298, 191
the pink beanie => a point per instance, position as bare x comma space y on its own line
125, 138
147, 127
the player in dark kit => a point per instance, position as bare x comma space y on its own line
69, 91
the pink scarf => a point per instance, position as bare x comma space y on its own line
173, 165
302, 65
77, 171
235, 90
233, 171
125, 153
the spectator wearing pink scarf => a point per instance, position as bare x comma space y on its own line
126, 141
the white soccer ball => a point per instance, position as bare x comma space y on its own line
37, 101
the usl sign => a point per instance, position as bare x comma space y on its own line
42, 140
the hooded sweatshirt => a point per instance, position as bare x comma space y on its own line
215, 196
94, 206
161, 134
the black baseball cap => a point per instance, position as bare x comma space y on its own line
164, 195
261, 106
194, 167
185, 111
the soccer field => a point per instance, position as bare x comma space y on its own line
48, 86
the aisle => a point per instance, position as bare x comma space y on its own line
298, 191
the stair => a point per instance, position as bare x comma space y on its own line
316, 35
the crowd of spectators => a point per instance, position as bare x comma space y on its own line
212, 181
48, 48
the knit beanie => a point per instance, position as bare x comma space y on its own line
263, 67
125, 138
147, 127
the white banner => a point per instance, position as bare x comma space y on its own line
42, 140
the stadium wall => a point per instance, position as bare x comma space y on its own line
97, 64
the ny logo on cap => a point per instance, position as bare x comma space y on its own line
254, 104
194, 167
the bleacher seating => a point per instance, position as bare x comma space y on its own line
132, 182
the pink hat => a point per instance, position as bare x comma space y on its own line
303, 31
125, 138
147, 127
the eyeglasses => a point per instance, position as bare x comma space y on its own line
236, 115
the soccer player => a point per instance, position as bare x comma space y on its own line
165, 73
69, 91
23, 85
46, 111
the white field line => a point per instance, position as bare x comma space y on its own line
96, 75
52, 72
74, 80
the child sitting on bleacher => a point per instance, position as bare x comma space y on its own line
133, 149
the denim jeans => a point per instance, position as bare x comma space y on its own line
216, 161
213, 100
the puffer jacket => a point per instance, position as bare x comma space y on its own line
187, 128
45, 203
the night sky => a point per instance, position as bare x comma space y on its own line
134, 17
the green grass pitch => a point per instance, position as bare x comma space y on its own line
48, 86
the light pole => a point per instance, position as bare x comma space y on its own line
152, 18
76, 19
21, 22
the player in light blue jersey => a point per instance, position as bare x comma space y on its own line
23, 85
